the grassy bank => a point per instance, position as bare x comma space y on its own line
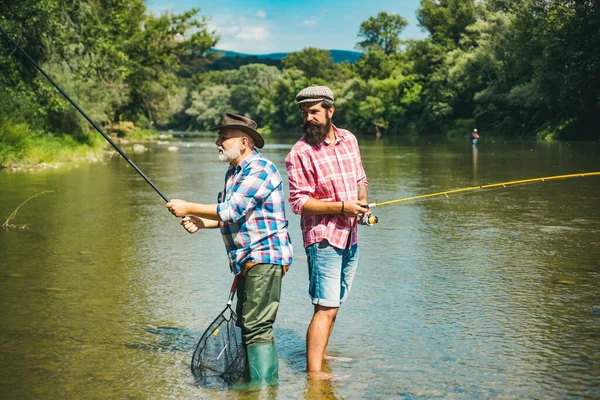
24, 147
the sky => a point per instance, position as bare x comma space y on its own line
270, 26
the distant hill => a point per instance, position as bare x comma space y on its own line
337, 55
234, 60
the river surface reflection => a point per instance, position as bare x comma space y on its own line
494, 294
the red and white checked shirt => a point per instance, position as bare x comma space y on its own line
329, 172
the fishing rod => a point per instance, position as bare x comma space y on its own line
447, 193
91, 121
370, 219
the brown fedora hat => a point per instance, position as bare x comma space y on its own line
234, 121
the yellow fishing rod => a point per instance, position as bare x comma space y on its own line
372, 219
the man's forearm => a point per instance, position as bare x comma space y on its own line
320, 207
363, 194
346, 207
206, 211
209, 223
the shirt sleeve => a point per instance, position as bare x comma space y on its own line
301, 180
362, 177
257, 182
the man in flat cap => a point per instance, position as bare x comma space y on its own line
328, 188
250, 213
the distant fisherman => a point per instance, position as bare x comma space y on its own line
474, 136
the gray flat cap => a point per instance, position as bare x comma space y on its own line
313, 94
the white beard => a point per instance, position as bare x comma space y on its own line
231, 154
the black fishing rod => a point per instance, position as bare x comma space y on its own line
91, 121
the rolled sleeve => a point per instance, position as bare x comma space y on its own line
225, 212
297, 203
362, 176
301, 184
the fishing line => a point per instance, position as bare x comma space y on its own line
447, 193
108, 139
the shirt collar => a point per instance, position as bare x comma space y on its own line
339, 135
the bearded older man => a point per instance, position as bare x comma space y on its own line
250, 213
328, 187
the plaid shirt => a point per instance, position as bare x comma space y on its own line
251, 208
329, 172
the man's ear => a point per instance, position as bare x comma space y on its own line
330, 111
247, 142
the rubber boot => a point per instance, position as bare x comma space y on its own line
263, 364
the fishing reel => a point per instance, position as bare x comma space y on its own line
367, 219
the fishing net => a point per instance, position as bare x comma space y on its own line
220, 356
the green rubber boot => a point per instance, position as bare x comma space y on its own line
263, 364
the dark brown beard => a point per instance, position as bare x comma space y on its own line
315, 134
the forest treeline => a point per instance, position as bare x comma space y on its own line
511, 68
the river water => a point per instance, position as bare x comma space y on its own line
494, 294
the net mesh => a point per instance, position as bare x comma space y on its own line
219, 356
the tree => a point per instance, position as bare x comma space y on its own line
315, 63
156, 53
562, 49
375, 64
118, 61
446, 20
208, 107
287, 116
382, 32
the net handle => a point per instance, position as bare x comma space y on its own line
232, 290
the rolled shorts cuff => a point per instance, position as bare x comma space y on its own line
326, 303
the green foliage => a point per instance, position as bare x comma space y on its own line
142, 134
285, 116
208, 106
382, 32
13, 140
248, 88
514, 68
461, 128
156, 52
116, 61
20, 144
61, 148
382, 105
446, 20
228, 63
315, 63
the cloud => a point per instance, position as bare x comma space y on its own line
242, 33
310, 21
227, 30
252, 33
261, 14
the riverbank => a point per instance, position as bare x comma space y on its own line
24, 150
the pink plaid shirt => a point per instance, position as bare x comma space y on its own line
329, 172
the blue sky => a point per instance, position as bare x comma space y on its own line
269, 26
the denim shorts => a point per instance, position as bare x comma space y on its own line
330, 272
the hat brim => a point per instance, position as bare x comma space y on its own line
317, 100
258, 139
